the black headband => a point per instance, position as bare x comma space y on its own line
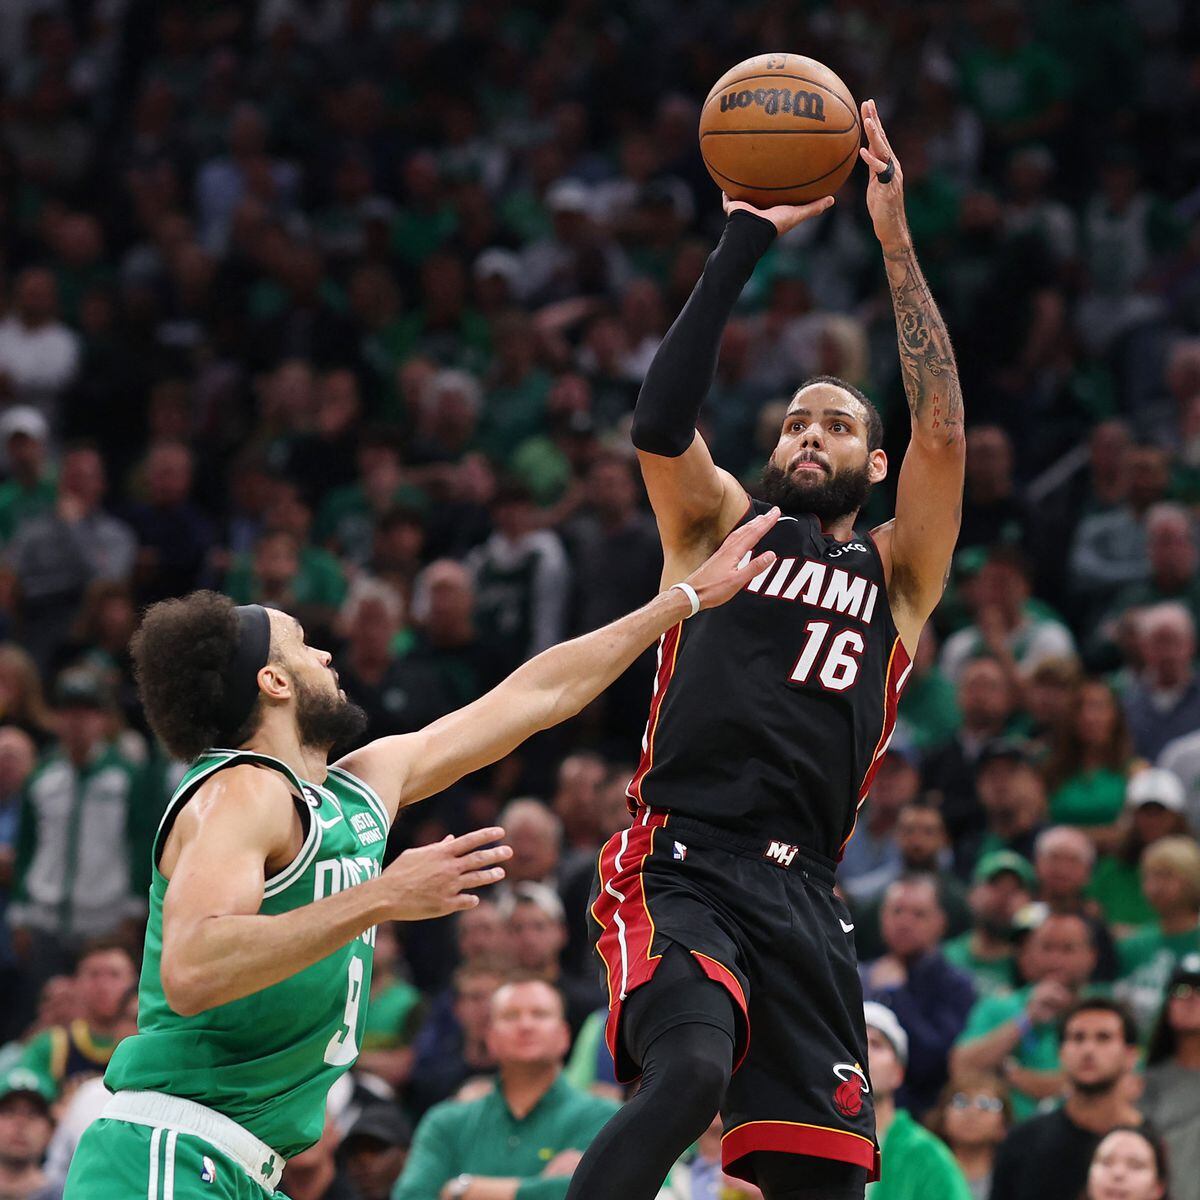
250, 655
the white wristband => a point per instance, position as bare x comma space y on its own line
690, 593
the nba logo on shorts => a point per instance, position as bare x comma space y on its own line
209, 1172
680, 852
847, 1096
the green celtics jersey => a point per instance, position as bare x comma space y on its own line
268, 1060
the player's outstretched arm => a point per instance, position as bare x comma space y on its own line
551, 687
930, 487
218, 947
696, 503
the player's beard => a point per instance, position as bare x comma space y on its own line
828, 497
325, 720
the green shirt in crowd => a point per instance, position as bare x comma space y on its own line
1089, 798
483, 1137
320, 580
18, 502
63, 1053
1147, 959
1116, 885
391, 1017
916, 1165
929, 710
991, 976
1037, 1050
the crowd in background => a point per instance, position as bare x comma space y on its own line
342, 306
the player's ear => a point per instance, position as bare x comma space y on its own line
275, 681
877, 465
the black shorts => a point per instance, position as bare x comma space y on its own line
762, 920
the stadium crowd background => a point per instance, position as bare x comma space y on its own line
342, 306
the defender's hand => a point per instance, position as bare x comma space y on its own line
731, 567
431, 881
782, 216
885, 201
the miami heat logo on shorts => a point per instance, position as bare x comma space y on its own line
847, 1096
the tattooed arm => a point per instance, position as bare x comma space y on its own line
919, 543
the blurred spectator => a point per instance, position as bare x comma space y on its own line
63, 1057
1172, 1076
400, 693
1171, 552
919, 1164
173, 533
1018, 632
536, 837
375, 1150
913, 978
537, 928
30, 487
447, 1053
83, 853
55, 555
1089, 760
314, 1174
1049, 700
700, 1177
1131, 1164
39, 355
993, 511
871, 859
1063, 858
986, 700
17, 757
521, 579
1181, 757
580, 777
26, 1124
1013, 798
1110, 547
924, 850
531, 1125
393, 1014
972, 1117
1154, 804
1047, 1156
929, 713
1164, 703
1171, 883
1003, 884
1056, 960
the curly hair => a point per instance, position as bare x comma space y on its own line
181, 653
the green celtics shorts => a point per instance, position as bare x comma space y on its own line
127, 1160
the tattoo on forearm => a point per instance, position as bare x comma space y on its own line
926, 356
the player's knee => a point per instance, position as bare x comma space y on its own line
697, 1062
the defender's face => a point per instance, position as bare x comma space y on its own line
824, 432
312, 667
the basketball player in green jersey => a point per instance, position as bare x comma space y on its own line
268, 879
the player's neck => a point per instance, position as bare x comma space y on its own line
280, 739
841, 528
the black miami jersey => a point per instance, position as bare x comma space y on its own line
770, 713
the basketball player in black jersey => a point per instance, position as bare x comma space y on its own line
729, 960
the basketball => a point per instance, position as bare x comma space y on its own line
779, 129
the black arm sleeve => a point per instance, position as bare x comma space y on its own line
664, 421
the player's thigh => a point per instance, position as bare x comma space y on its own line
118, 1160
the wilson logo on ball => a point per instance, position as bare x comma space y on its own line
847, 1096
809, 105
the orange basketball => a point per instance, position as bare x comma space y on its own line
779, 129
